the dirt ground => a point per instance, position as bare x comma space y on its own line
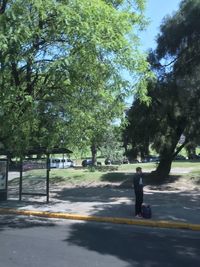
178, 199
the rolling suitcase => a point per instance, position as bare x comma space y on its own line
146, 211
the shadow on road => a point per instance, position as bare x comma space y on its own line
20, 221
136, 247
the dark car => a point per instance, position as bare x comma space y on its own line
134, 161
113, 162
180, 157
194, 156
150, 159
116, 162
86, 162
107, 162
154, 159
125, 161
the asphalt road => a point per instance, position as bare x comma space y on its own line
39, 242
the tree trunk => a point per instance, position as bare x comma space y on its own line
164, 166
3, 6
94, 154
163, 169
169, 151
191, 150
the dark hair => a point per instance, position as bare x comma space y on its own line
138, 169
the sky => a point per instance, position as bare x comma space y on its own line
156, 10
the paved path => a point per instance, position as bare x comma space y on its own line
114, 202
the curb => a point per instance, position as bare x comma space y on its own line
116, 220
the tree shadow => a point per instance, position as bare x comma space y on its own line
30, 184
92, 193
126, 179
165, 184
20, 221
117, 201
118, 177
116, 198
135, 246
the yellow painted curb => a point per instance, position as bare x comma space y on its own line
117, 220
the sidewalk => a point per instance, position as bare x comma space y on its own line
177, 208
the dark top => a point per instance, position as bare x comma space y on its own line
138, 181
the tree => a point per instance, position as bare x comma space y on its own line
174, 109
140, 129
176, 64
61, 65
178, 45
110, 143
160, 124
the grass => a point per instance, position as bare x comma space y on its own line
74, 176
132, 167
121, 173
112, 174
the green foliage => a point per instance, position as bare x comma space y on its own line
110, 143
178, 42
61, 65
174, 107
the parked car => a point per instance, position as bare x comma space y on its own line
150, 159
61, 163
179, 157
134, 161
125, 161
154, 159
113, 162
86, 162
194, 156
107, 162
116, 162
144, 160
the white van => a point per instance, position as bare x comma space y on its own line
61, 163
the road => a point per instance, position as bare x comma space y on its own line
39, 242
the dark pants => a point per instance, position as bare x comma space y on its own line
138, 201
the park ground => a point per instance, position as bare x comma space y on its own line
108, 192
184, 175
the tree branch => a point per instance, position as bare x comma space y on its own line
15, 73
180, 148
35, 62
3, 4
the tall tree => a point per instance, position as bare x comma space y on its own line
179, 51
61, 67
160, 124
175, 96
